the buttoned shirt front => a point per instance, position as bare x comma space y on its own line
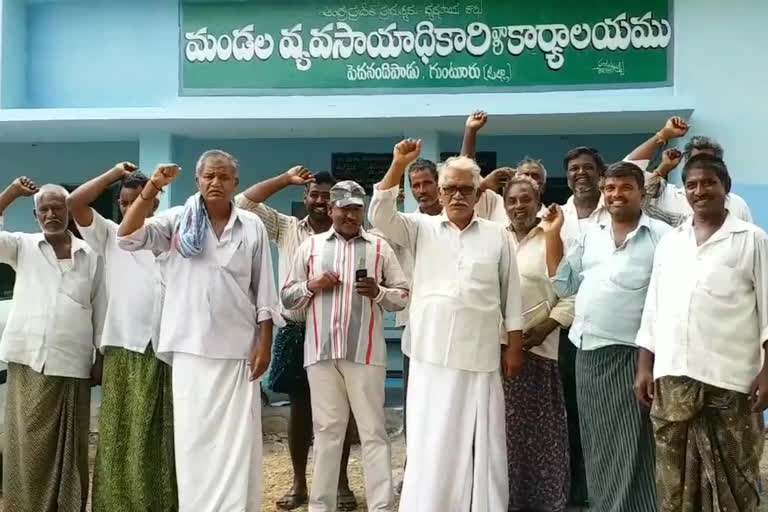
213, 301
465, 285
57, 317
610, 283
133, 287
706, 314
342, 324
490, 206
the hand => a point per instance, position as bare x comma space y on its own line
258, 361
643, 387
512, 358
670, 159
406, 152
299, 175
675, 127
497, 178
125, 169
24, 186
367, 287
323, 282
97, 371
760, 391
165, 174
476, 120
536, 335
552, 221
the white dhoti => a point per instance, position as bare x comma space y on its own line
336, 386
217, 420
456, 452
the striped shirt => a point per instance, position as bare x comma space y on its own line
287, 233
341, 324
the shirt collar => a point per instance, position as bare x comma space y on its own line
732, 224
77, 244
363, 234
571, 207
445, 220
644, 221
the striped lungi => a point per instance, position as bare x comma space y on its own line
46, 455
135, 468
616, 432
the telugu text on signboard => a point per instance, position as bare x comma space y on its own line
306, 45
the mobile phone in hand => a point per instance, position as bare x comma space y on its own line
360, 274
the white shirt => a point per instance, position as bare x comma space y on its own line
490, 206
536, 289
574, 227
706, 313
465, 284
214, 301
57, 315
133, 288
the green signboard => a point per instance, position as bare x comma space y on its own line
263, 46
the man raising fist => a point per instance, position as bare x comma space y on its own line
218, 311
136, 410
466, 287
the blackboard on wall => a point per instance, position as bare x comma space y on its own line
367, 169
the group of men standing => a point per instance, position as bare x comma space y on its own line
666, 303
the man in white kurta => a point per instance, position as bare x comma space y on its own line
465, 286
220, 299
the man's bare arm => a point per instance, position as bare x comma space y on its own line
79, 201
263, 190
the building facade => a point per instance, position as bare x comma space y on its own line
334, 85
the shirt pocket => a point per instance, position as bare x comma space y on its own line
483, 277
632, 274
239, 262
721, 280
76, 287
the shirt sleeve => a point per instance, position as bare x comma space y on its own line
645, 335
562, 313
263, 282
9, 246
490, 206
98, 233
98, 301
509, 280
276, 223
568, 278
396, 227
155, 235
393, 289
295, 293
761, 284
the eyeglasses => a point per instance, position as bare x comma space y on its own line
465, 191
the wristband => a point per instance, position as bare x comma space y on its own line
155, 185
